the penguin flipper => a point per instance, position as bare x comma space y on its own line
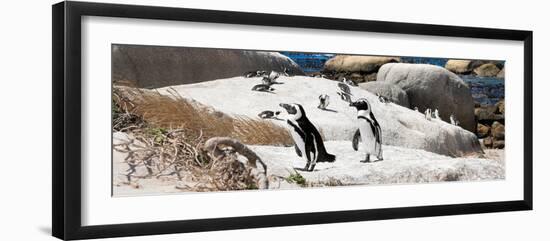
298, 152
356, 139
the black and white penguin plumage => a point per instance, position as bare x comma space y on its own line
428, 114
256, 73
382, 98
344, 96
369, 131
263, 88
271, 78
344, 88
308, 142
324, 101
453, 120
349, 82
268, 114
250, 74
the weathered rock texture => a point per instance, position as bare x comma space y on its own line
483, 68
153, 66
430, 86
393, 92
401, 126
490, 125
352, 63
487, 70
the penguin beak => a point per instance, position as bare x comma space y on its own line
289, 109
352, 104
285, 106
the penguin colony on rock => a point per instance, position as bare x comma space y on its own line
308, 142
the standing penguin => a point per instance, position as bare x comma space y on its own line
344, 88
324, 100
369, 130
307, 140
428, 114
454, 121
435, 115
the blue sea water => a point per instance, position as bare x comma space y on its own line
485, 90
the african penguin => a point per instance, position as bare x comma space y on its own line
369, 130
454, 121
435, 114
262, 88
344, 96
428, 114
324, 101
267, 114
382, 99
344, 88
257, 73
349, 82
307, 140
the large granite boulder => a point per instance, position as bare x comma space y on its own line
483, 130
393, 92
497, 131
487, 70
430, 86
484, 68
458, 66
154, 66
353, 63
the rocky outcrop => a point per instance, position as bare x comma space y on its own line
487, 70
490, 125
401, 127
154, 66
393, 92
483, 130
488, 114
357, 68
352, 63
458, 66
434, 87
483, 68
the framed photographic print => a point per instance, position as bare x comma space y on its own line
170, 120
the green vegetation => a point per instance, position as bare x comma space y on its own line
158, 134
296, 178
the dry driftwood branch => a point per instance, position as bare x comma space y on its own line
213, 145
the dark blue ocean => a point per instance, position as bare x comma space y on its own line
485, 90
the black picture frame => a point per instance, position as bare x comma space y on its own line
66, 127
